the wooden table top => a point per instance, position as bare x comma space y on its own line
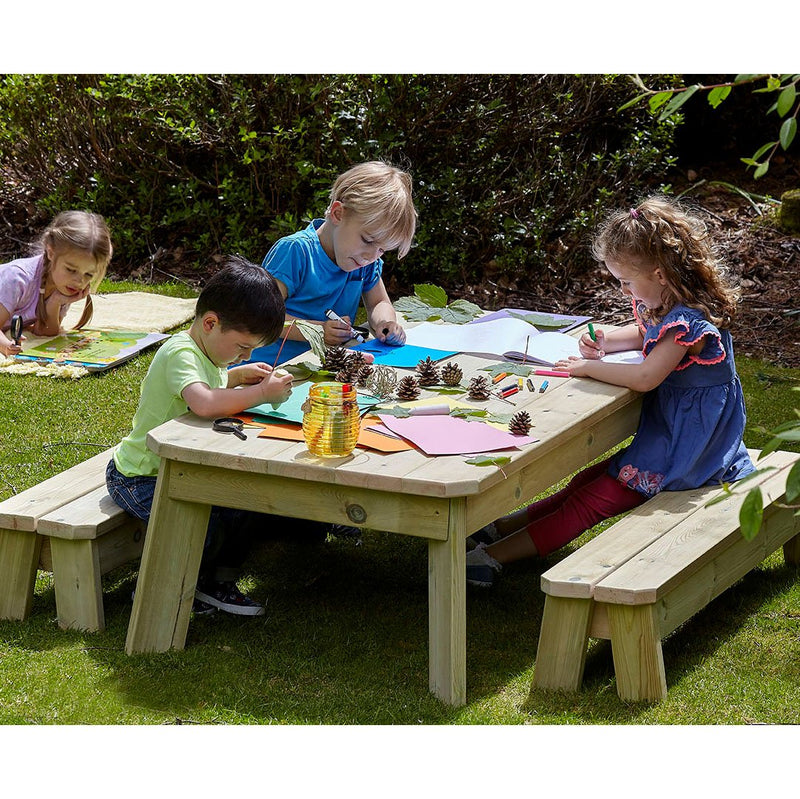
568, 407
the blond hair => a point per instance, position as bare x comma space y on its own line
76, 230
380, 195
661, 232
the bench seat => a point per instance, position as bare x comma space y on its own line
649, 573
67, 524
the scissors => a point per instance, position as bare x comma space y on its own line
230, 424
16, 328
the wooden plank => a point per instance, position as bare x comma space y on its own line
168, 572
447, 614
579, 573
76, 575
791, 551
563, 641
380, 510
19, 555
636, 648
687, 546
86, 517
22, 511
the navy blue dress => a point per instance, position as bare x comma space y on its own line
690, 431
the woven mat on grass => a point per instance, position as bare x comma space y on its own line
138, 311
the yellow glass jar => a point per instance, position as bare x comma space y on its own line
331, 419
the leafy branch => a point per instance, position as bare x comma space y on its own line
664, 103
430, 303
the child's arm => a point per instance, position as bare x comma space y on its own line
382, 317
621, 338
53, 306
644, 376
213, 402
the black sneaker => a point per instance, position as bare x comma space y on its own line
226, 596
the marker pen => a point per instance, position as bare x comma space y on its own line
531, 387
591, 332
543, 387
509, 392
551, 373
331, 314
498, 378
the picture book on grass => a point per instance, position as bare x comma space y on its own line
94, 350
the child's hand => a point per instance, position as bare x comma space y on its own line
336, 332
575, 366
276, 386
8, 347
590, 349
390, 332
248, 373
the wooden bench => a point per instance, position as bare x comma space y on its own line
649, 573
69, 525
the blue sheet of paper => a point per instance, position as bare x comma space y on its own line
291, 410
405, 356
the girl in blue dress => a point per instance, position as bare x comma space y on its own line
693, 414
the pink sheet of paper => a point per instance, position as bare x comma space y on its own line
447, 435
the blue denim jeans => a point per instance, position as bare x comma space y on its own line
228, 536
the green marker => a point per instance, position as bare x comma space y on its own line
591, 332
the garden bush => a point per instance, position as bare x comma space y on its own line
509, 171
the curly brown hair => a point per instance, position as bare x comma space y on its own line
662, 232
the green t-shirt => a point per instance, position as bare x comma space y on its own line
177, 364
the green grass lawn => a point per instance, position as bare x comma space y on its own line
344, 639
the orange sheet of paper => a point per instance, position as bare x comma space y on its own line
368, 439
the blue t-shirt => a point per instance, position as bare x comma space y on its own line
691, 427
314, 284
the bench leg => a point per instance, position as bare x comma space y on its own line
636, 647
791, 551
563, 642
19, 555
79, 593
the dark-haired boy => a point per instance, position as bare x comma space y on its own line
239, 309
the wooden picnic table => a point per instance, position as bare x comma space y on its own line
442, 499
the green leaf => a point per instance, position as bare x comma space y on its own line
489, 460
434, 296
676, 102
717, 95
793, 483
761, 170
413, 309
314, 335
509, 368
786, 100
544, 320
630, 103
788, 131
657, 100
761, 150
460, 311
751, 514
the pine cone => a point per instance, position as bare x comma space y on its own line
408, 388
428, 372
479, 388
451, 374
335, 358
520, 423
364, 374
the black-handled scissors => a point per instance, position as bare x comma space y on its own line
16, 328
230, 424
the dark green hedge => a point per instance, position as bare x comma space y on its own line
509, 171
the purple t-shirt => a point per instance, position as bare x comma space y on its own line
20, 281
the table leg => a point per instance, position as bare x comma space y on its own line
168, 572
447, 610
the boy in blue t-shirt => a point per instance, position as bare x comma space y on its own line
336, 261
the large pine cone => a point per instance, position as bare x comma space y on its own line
335, 358
451, 374
479, 388
408, 388
520, 423
428, 372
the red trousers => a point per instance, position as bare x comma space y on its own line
590, 497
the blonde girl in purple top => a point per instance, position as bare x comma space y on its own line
74, 252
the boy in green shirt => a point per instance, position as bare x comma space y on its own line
239, 309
